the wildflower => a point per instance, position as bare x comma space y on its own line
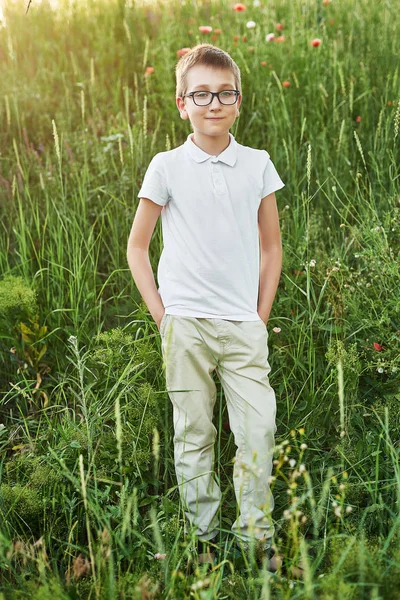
226, 426
263, 63
280, 38
338, 511
205, 29
256, 3
244, 38
239, 7
279, 26
378, 347
148, 71
292, 462
159, 556
358, 119
325, 2
182, 51
302, 468
301, 431
250, 24
303, 445
218, 31
236, 37
286, 84
380, 370
276, 330
316, 42
349, 509
270, 37
312, 262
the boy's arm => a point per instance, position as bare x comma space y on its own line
138, 256
270, 254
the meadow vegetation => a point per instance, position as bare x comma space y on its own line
88, 498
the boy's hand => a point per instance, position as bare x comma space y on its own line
158, 321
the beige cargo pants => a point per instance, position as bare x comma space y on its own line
192, 349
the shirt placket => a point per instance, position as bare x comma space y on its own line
218, 180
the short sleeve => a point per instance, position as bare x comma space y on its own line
154, 186
271, 180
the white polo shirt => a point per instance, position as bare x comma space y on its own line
210, 263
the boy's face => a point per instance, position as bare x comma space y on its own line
215, 119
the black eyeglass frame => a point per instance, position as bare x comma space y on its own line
213, 94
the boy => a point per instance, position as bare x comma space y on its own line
217, 202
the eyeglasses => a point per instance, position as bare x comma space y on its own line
205, 98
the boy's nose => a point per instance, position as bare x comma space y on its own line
215, 103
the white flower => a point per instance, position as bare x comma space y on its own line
250, 24
72, 339
338, 511
159, 556
380, 370
302, 468
292, 462
303, 446
276, 330
312, 262
270, 37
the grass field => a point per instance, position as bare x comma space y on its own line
88, 494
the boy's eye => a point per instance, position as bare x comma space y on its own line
227, 94
201, 94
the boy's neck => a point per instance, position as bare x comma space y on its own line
211, 145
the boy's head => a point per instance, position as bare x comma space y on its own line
208, 68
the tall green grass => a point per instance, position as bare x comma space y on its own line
88, 493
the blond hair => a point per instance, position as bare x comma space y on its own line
204, 54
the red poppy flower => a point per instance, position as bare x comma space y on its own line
205, 29
358, 119
239, 7
286, 84
148, 71
378, 347
263, 63
315, 42
279, 26
280, 38
217, 31
182, 51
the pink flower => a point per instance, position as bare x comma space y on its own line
159, 556
239, 7
279, 26
276, 330
280, 38
316, 42
285, 83
358, 119
205, 29
270, 37
217, 31
183, 51
148, 71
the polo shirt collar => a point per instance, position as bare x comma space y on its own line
228, 156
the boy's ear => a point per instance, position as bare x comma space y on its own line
181, 107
